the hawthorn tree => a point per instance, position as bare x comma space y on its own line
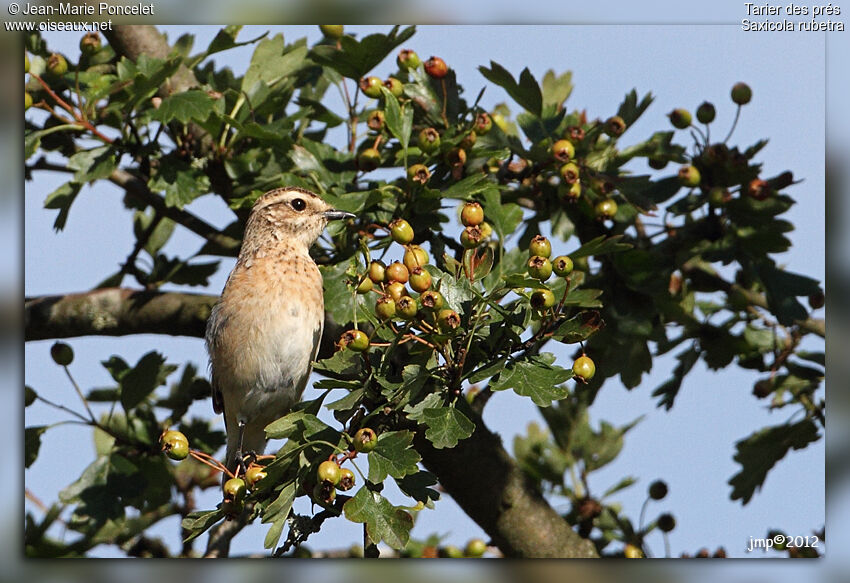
439, 294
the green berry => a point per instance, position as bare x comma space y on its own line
563, 150
396, 290
542, 299
420, 280
562, 266
62, 354
329, 472
324, 493
741, 93
574, 192
371, 86
175, 445
436, 67
472, 214
483, 123
539, 267
666, 522
369, 159
429, 140
356, 340
376, 120
680, 118
26, 63
415, 256
606, 209
475, 548
385, 308
254, 474
394, 86
365, 440
658, 490
584, 368
401, 232
397, 271
486, 230
27, 100
448, 320
365, 286
406, 307
471, 237
235, 489
408, 59
689, 176
540, 245
431, 300
346, 479
333, 31
450, 552
706, 112
455, 157
377, 271
718, 196
468, 140
570, 172
90, 43
419, 173
615, 126
57, 65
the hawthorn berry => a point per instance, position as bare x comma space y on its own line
429, 140
175, 445
666, 522
346, 479
540, 245
632, 552
448, 320
562, 266
329, 472
574, 192
689, 176
57, 65
369, 159
741, 93
718, 196
542, 299
420, 280
365, 440
436, 67
376, 120
471, 215
356, 340
606, 208
234, 489
406, 307
817, 300
397, 271
401, 231
539, 267
615, 126
419, 173
371, 86
90, 43
563, 150
396, 290
324, 493
763, 388
377, 271
26, 62
758, 189
254, 474
471, 237
680, 118
584, 368
486, 230
575, 133
333, 31
455, 157
658, 490
570, 172
61, 353
408, 59
27, 100
415, 256
706, 112
394, 86
385, 308
475, 548
483, 123
431, 300
468, 140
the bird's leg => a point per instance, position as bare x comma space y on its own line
239, 455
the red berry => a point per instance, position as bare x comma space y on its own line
436, 67
483, 123
471, 237
758, 189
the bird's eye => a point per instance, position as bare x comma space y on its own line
299, 204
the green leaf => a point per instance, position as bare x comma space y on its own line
781, 289
29, 395
356, 58
140, 381
181, 182
393, 456
446, 426
277, 513
579, 328
505, 217
556, 88
416, 486
197, 523
184, 107
758, 453
621, 485
225, 40
399, 119
630, 109
32, 443
600, 246
273, 61
669, 389
295, 425
94, 475
384, 522
536, 378
62, 198
93, 164
526, 92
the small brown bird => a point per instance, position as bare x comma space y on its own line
264, 332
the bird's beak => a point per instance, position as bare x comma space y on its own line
335, 215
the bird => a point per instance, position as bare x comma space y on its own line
264, 331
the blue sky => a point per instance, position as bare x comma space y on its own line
691, 447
